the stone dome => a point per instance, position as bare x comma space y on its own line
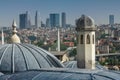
85, 22
23, 57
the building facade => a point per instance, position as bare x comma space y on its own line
54, 20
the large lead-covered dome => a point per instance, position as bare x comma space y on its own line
63, 74
23, 57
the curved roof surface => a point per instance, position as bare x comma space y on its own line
23, 57
85, 22
73, 64
63, 74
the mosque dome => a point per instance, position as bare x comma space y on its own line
18, 57
85, 23
63, 74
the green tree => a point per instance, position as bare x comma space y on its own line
73, 52
32, 38
40, 43
63, 47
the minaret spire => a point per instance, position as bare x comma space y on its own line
14, 38
2, 37
58, 40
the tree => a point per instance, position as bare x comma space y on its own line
40, 43
32, 38
63, 47
73, 52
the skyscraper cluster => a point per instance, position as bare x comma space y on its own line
55, 20
51, 22
25, 21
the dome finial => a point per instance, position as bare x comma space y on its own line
14, 27
14, 38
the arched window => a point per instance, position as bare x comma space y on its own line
93, 39
81, 39
88, 39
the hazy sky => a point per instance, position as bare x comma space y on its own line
99, 10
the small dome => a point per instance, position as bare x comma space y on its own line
23, 57
85, 22
15, 39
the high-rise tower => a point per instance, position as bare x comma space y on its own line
63, 19
28, 21
47, 22
24, 20
54, 20
86, 42
111, 19
37, 20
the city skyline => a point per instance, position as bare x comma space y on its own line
99, 10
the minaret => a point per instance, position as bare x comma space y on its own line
2, 37
14, 38
58, 40
86, 42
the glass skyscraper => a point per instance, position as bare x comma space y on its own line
24, 21
37, 20
63, 19
54, 20
111, 19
